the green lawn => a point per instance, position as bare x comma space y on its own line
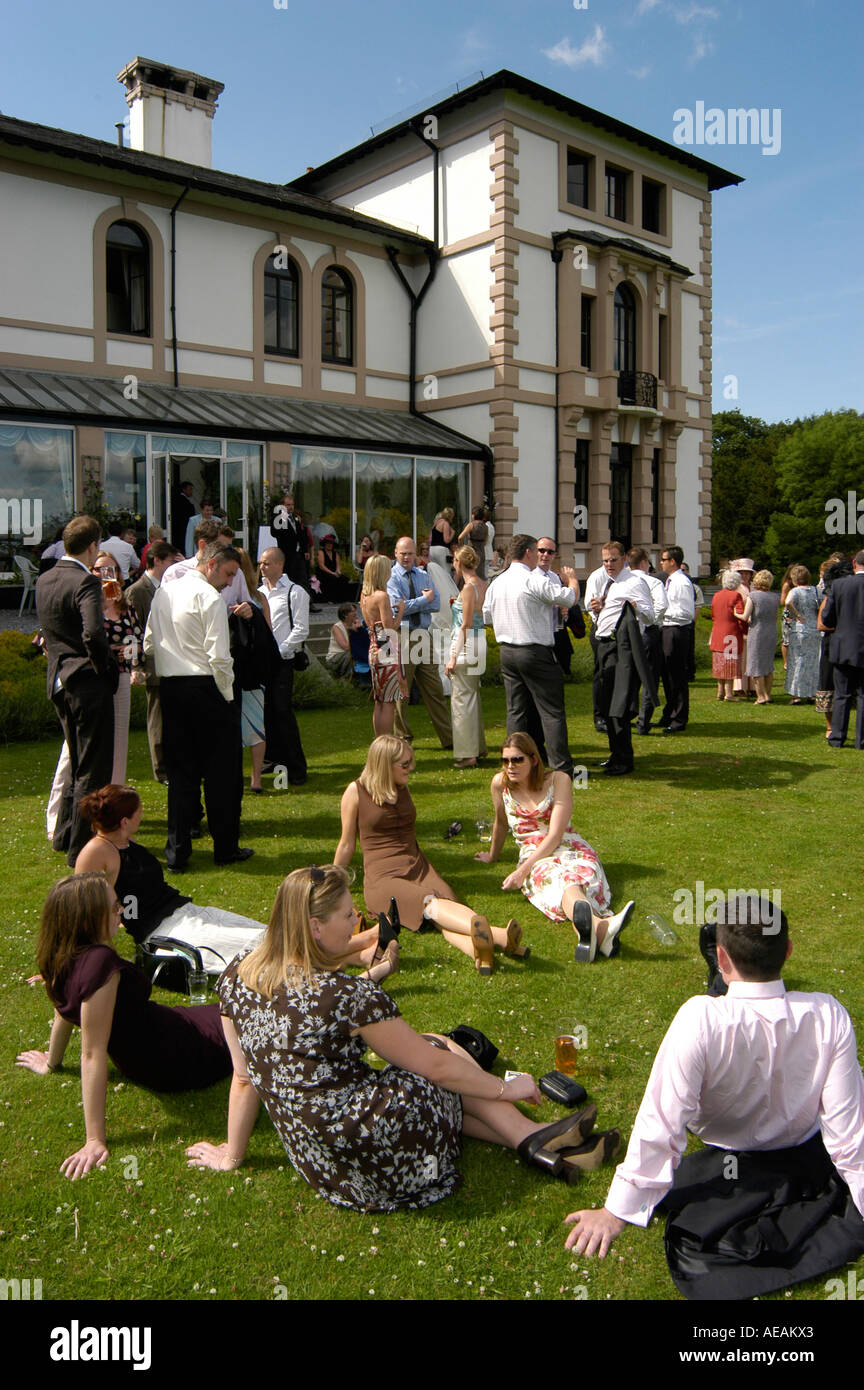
748, 798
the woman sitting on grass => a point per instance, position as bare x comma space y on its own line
297, 1028
558, 871
379, 808
108, 998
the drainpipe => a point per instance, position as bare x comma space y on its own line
416, 297
174, 281
557, 255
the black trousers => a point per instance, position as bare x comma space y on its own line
532, 676
676, 668
848, 688
284, 748
86, 712
747, 1223
652, 637
201, 743
618, 730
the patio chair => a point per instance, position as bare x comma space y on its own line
28, 574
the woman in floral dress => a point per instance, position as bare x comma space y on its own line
558, 871
802, 605
297, 1028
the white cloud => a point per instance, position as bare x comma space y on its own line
645, 6
594, 50
687, 16
701, 49
639, 73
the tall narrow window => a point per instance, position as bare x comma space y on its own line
586, 334
652, 205
621, 493
616, 193
578, 175
663, 348
127, 279
580, 492
625, 329
655, 496
337, 317
281, 306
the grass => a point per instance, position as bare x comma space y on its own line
748, 798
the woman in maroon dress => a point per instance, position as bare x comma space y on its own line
90, 986
378, 808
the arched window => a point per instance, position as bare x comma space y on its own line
337, 316
127, 279
625, 329
281, 306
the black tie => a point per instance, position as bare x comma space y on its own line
413, 618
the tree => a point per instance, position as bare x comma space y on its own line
820, 475
744, 488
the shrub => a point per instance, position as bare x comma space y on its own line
25, 710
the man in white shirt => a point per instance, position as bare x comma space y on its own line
770, 1081
640, 562
518, 604
187, 640
677, 638
619, 654
205, 514
594, 586
411, 585
122, 551
289, 614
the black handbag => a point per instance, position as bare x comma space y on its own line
475, 1043
167, 962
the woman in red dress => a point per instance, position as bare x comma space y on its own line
727, 635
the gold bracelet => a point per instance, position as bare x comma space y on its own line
501, 1091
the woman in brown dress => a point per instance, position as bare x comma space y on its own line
379, 808
385, 665
373, 1140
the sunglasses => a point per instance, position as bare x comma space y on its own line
316, 875
543, 550
518, 758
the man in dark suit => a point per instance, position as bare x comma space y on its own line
292, 539
82, 673
140, 594
182, 510
843, 616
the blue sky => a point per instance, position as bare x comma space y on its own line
305, 82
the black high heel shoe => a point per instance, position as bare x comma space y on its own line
542, 1147
389, 926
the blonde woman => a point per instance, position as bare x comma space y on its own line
467, 660
760, 611
388, 680
297, 1028
378, 808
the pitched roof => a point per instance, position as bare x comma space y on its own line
505, 80
67, 398
65, 144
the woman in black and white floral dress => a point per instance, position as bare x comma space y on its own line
297, 1027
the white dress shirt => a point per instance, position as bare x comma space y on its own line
628, 586
517, 605
755, 1069
681, 608
594, 586
290, 631
235, 592
187, 632
123, 553
658, 596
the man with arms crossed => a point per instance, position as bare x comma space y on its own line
770, 1081
421, 598
518, 604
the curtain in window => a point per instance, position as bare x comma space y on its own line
36, 468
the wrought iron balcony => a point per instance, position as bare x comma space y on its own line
637, 388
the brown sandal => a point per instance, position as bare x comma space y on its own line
514, 945
484, 949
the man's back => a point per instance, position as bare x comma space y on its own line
844, 611
69, 608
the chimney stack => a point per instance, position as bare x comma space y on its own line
170, 111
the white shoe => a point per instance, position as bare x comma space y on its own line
614, 927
